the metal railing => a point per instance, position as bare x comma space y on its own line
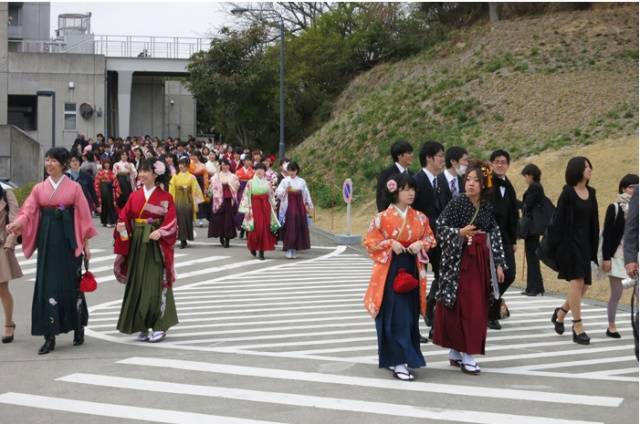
120, 46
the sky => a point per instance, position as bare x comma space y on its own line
175, 19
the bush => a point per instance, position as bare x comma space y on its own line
23, 191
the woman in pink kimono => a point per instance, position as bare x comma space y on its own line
56, 220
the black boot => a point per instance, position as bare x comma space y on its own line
48, 346
183, 244
242, 233
222, 241
261, 255
253, 253
78, 337
226, 242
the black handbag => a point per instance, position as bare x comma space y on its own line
535, 222
546, 252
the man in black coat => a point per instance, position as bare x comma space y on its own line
505, 209
450, 181
428, 200
402, 155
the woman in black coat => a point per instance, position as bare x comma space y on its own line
575, 235
532, 198
612, 252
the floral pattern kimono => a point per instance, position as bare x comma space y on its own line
386, 226
257, 186
217, 192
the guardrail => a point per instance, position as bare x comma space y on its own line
119, 46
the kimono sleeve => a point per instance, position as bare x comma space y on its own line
245, 202
172, 186
83, 222
497, 249
282, 189
196, 192
307, 196
378, 246
96, 187
169, 226
448, 228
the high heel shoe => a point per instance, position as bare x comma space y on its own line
78, 337
48, 346
558, 325
9, 339
581, 338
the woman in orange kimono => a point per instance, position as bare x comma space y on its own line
199, 170
397, 241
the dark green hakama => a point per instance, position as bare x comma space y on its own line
58, 305
147, 304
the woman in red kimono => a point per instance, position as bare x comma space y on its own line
145, 239
471, 267
56, 220
108, 191
397, 241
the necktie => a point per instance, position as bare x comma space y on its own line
454, 187
435, 183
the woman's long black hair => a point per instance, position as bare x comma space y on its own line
148, 165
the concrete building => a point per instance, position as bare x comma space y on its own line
52, 90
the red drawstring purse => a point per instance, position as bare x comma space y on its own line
87, 281
404, 282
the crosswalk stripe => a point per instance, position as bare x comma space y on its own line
217, 293
33, 261
562, 375
609, 373
313, 377
576, 363
119, 411
200, 271
328, 403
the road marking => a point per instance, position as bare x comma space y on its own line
576, 363
416, 386
33, 261
119, 411
201, 271
328, 403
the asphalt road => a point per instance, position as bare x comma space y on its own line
288, 341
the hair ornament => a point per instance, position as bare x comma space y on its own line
392, 186
488, 176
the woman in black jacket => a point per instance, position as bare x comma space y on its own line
575, 231
612, 253
532, 198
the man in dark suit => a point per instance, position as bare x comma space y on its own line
450, 181
429, 201
402, 155
505, 209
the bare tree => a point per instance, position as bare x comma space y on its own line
297, 16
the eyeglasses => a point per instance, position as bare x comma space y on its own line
500, 162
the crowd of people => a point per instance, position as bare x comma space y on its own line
464, 218
461, 216
151, 193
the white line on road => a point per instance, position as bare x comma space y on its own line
313, 377
119, 411
335, 404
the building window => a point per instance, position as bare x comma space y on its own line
69, 116
22, 111
15, 14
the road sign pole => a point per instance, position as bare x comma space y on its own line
349, 218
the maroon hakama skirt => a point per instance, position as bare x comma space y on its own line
261, 238
295, 232
222, 221
464, 328
239, 217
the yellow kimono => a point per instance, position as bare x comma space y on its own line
185, 191
386, 226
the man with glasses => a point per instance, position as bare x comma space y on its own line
505, 209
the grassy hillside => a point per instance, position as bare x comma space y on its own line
528, 85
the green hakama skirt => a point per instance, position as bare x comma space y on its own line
146, 303
58, 305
